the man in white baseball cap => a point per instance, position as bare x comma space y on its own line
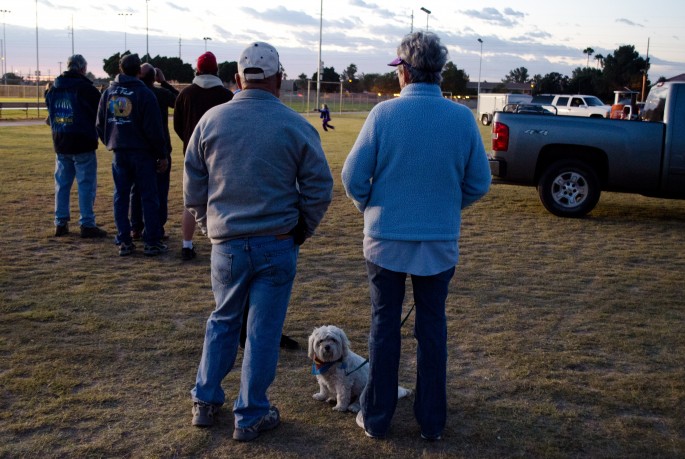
257, 181
258, 62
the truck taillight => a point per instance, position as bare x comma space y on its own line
500, 137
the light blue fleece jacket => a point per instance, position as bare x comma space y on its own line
418, 160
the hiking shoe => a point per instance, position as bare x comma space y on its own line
126, 249
203, 414
155, 249
188, 254
62, 230
360, 423
92, 232
270, 421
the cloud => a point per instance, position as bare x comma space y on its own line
282, 16
508, 18
629, 22
388, 14
510, 12
177, 7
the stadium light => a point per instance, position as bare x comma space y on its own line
428, 12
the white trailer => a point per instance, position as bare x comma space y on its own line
488, 104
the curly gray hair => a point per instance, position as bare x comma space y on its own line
424, 55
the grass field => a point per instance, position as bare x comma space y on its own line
566, 337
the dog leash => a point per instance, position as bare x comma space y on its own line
347, 373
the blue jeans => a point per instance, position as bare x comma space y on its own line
163, 181
379, 397
260, 270
83, 167
135, 167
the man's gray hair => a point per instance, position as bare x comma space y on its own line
76, 63
425, 55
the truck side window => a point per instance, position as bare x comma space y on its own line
576, 102
562, 101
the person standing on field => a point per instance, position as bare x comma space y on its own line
207, 91
72, 109
256, 179
166, 98
417, 162
129, 124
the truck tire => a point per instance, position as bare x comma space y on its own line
569, 188
485, 119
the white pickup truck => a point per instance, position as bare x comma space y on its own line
574, 105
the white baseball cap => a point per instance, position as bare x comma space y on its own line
259, 56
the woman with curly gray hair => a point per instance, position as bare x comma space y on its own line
419, 159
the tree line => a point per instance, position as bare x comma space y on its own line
617, 71
624, 69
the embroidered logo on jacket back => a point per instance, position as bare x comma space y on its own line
63, 113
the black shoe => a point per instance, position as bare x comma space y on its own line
152, 250
188, 254
92, 232
203, 414
126, 249
289, 343
62, 230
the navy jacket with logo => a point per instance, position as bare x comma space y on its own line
129, 118
72, 106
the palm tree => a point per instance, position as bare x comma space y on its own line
600, 60
589, 51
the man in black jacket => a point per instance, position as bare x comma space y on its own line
130, 124
72, 105
166, 98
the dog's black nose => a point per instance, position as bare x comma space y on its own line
327, 347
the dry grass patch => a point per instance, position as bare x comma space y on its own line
566, 336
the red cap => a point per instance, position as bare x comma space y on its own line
206, 64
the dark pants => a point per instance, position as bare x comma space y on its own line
163, 181
379, 398
137, 167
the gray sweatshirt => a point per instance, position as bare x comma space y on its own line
252, 167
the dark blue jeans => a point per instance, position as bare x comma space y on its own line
135, 167
163, 181
379, 398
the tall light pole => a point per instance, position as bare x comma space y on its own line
318, 64
72, 36
205, 39
125, 15
480, 66
428, 12
4, 48
37, 63
147, 32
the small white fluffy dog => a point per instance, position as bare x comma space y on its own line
341, 373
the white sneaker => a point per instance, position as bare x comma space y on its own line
360, 423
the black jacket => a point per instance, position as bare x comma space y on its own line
72, 105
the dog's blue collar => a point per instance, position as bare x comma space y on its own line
319, 367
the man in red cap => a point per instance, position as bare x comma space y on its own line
206, 92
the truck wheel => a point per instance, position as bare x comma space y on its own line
569, 188
485, 120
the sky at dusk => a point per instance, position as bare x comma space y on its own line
544, 37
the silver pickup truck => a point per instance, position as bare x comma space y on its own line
571, 160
